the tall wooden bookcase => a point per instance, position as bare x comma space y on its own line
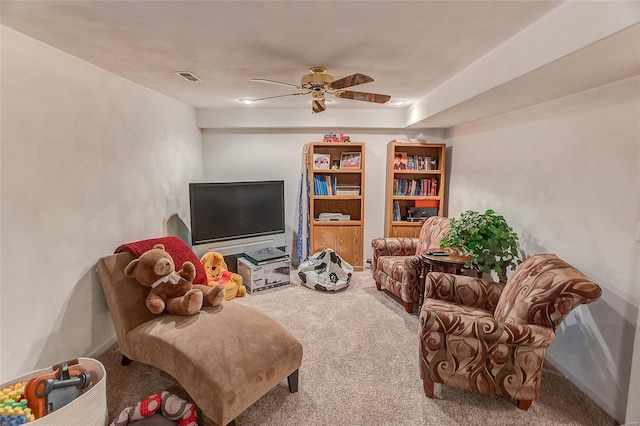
336, 179
419, 183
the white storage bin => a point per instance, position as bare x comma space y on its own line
89, 409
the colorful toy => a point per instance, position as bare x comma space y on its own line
335, 137
218, 273
171, 290
13, 407
169, 405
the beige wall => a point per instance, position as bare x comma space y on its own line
89, 161
565, 174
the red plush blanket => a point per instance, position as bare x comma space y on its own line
178, 249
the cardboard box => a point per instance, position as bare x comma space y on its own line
264, 277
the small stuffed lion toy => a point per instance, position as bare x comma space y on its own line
172, 290
218, 273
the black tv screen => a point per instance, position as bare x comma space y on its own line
234, 210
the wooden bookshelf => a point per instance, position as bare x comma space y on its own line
339, 191
421, 181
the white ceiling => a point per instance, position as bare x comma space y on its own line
407, 47
410, 48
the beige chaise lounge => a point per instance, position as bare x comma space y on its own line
226, 358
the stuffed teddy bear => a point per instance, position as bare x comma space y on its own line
218, 273
172, 290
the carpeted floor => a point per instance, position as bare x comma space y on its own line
360, 367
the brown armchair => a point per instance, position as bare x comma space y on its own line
396, 262
492, 337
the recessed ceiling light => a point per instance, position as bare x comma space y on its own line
247, 101
397, 102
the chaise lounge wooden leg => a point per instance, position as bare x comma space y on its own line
408, 307
427, 384
524, 404
378, 286
125, 361
293, 382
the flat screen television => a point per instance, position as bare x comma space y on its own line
224, 211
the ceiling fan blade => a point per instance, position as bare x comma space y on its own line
363, 96
351, 80
318, 105
279, 83
281, 96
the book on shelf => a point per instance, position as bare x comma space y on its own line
396, 212
347, 190
434, 187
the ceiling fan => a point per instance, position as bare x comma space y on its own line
318, 83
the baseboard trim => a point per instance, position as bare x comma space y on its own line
103, 347
606, 406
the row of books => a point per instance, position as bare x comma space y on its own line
328, 185
325, 184
417, 162
416, 187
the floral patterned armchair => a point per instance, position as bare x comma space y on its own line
492, 337
396, 262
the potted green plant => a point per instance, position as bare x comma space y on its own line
487, 239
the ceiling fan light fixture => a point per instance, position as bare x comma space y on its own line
397, 102
318, 84
246, 101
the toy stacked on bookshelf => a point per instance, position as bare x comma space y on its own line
415, 186
336, 205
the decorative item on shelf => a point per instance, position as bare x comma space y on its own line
335, 137
487, 238
400, 161
335, 164
321, 161
350, 159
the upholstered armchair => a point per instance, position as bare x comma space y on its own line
492, 337
396, 262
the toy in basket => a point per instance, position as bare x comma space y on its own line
53, 391
72, 393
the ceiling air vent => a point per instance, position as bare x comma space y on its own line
187, 75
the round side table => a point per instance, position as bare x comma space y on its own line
450, 264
